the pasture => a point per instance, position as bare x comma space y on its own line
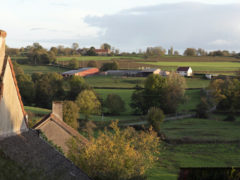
30, 69
95, 58
198, 66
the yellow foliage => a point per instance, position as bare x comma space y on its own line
117, 154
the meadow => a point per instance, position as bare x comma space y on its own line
198, 66
95, 58
30, 69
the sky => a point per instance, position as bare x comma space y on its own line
128, 25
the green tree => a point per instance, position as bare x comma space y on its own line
49, 87
73, 64
203, 108
155, 117
114, 104
190, 52
121, 154
70, 114
27, 89
110, 66
91, 52
77, 84
88, 103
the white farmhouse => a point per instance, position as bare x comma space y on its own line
185, 71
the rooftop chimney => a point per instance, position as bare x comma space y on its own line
57, 109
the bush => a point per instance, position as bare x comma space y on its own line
121, 154
110, 66
155, 117
73, 64
92, 64
230, 118
202, 108
114, 104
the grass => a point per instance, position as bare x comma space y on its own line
115, 81
199, 66
95, 58
192, 100
173, 157
37, 110
131, 82
212, 129
28, 69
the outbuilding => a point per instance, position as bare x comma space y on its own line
185, 71
81, 72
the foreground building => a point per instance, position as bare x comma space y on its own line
57, 130
18, 141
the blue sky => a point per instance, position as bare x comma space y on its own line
128, 25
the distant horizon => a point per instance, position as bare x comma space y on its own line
125, 25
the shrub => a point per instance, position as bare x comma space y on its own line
155, 117
230, 118
70, 114
92, 64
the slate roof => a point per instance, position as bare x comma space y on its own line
31, 151
183, 68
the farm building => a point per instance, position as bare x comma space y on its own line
146, 72
185, 71
56, 129
81, 72
103, 52
122, 72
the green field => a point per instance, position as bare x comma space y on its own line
95, 58
199, 66
37, 110
131, 82
173, 157
28, 69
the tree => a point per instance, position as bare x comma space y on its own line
88, 103
176, 53
155, 51
161, 92
73, 64
49, 87
114, 104
121, 154
190, 52
26, 87
155, 117
91, 52
202, 108
75, 46
17, 68
106, 46
77, 84
92, 64
110, 66
70, 114
170, 51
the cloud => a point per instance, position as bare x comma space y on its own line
181, 25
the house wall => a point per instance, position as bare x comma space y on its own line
12, 120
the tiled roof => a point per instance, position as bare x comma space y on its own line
101, 51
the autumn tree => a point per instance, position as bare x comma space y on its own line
70, 114
155, 51
117, 154
88, 103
